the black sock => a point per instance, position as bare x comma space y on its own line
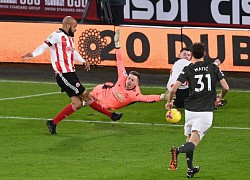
187, 147
189, 158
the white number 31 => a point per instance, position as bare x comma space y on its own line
199, 82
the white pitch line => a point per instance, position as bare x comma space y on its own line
117, 122
92, 85
26, 82
39, 82
28, 96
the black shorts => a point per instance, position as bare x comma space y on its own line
70, 84
181, 95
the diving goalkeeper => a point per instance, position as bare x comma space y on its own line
126, 90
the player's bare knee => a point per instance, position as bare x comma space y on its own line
86, 96
77, 103
195, 138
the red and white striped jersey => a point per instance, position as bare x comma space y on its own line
62, 51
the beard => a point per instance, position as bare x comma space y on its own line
71, 33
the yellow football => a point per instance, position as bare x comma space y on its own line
173, 116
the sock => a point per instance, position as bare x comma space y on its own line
189, 158
68, 110
94, 105
187, 147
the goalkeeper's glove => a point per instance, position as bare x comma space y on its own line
117, 39
164, 96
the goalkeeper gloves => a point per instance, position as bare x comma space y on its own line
164, 96
117, 39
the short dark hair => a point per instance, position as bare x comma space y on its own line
185, 49
198, 50
135, 73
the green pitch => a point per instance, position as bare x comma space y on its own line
89, 146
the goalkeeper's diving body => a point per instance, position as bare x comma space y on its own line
126, 90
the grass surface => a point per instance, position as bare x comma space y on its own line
89, 146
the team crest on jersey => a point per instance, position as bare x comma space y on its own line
91, 45
77, 84
118, 95
70, 49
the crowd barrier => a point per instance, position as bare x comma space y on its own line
143, 47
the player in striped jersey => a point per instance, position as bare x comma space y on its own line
202, 77
63, 54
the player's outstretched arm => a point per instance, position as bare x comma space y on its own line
27, 56
164, 96
38, 51
119, 58
169, 103
147, 98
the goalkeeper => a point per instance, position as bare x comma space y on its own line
126, 90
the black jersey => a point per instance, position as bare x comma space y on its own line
202, 77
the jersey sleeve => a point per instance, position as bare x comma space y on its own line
120, 65
40, 49
148, 98
183, 75
219, 73
53, 39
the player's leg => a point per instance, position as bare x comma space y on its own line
201, 122
189, 155
70, 84
187, 148
175, 150
189, 158
76, 103
194, 139
98, 107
